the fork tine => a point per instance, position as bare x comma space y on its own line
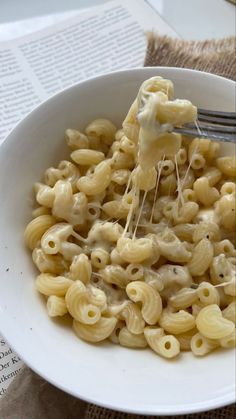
231, 115
217, 120
216, 128
216, 125
214, 135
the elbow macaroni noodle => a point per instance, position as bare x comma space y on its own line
133, 238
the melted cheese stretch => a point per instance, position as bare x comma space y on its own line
131, 223
157, 115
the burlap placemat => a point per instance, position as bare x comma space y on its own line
31, 397
212, 56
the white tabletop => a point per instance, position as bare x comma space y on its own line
191, 19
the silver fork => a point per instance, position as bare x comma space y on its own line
219, 126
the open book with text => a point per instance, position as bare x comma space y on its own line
32, 68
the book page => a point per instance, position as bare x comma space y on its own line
106, 38
20, 28
10, 365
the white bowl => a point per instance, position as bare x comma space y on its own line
129, 380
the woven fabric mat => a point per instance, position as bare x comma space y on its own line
31, 397
212, 56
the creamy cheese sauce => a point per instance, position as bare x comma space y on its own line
157, 114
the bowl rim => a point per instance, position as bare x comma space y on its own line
110, 74
218, 401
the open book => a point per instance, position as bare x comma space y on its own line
105, 38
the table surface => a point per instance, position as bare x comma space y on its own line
191, 19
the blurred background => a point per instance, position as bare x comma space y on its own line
191, 19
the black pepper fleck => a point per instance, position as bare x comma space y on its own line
175, 271
221, 275
7, 269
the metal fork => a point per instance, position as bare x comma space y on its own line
219, 126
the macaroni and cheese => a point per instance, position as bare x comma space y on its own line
134, 237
